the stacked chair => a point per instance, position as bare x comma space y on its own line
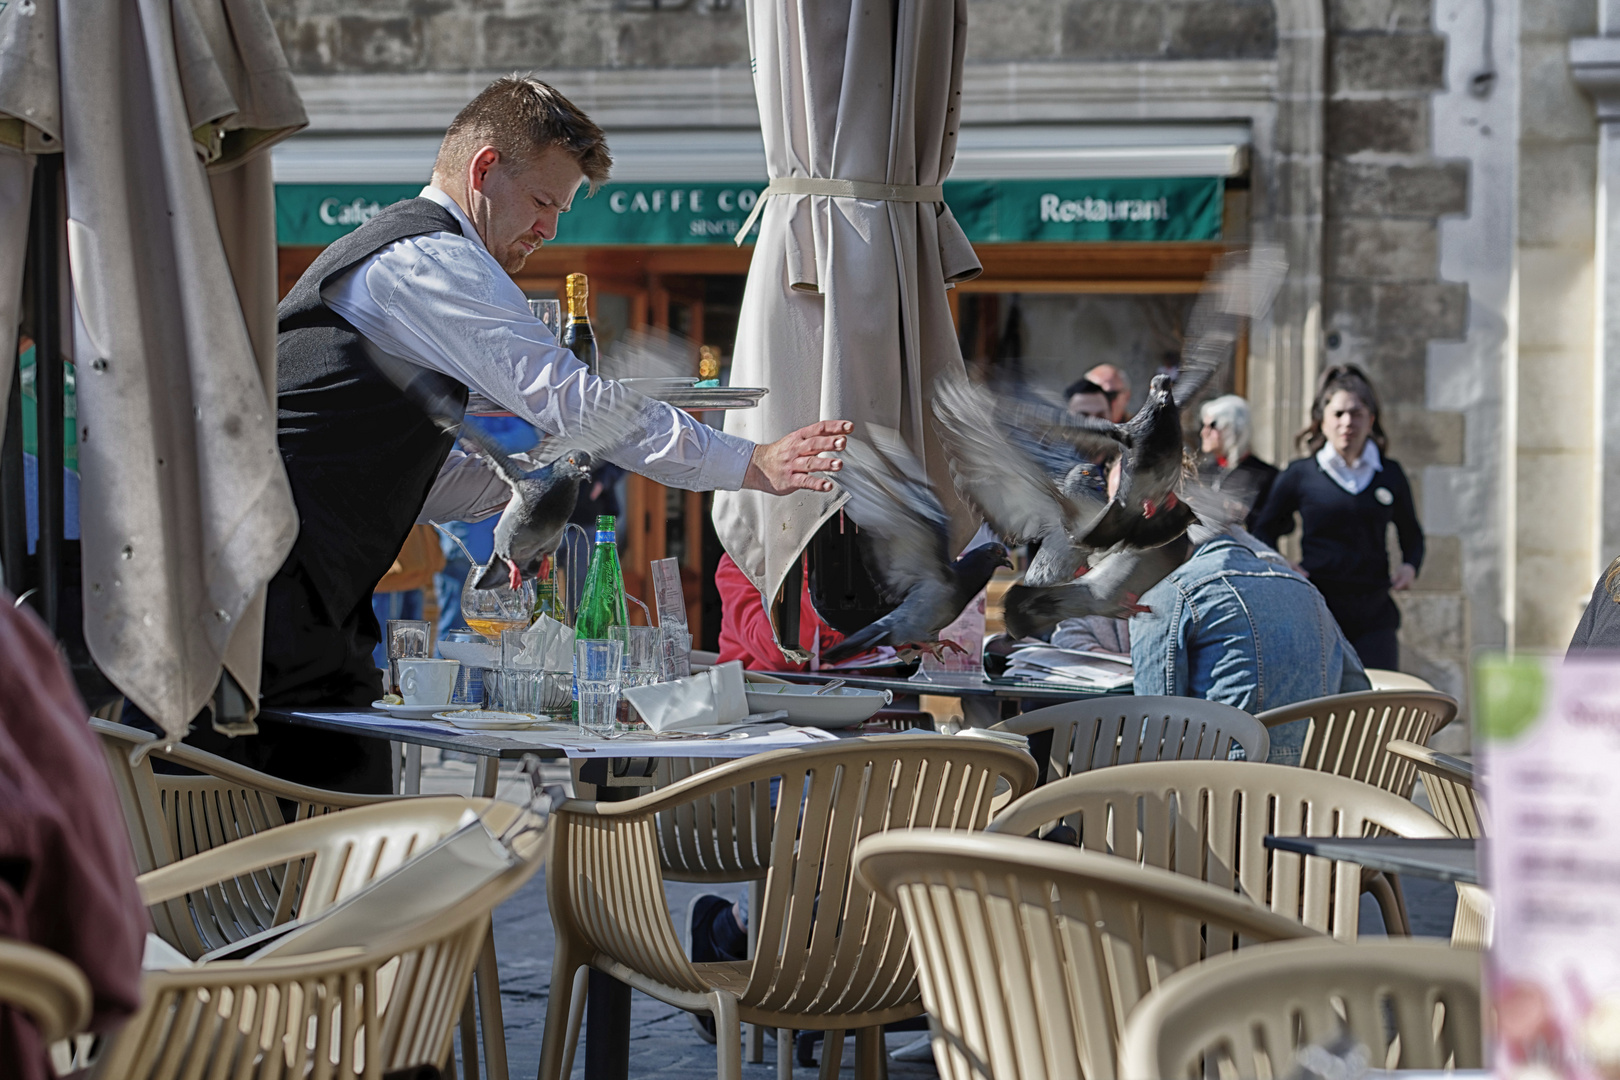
1449, 784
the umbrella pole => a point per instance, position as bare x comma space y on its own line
44, 253
13, 505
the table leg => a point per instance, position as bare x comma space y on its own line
393, 765
411, 781
488, 981
486, 778
469, 1040
756, 903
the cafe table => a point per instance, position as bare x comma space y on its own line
1445, 859
619, 768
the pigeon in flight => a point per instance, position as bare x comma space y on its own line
1110, 588
904, 544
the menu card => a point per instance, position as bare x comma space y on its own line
1551, 750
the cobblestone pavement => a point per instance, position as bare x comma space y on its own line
663, 1043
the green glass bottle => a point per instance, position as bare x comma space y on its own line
548, 600
601, 603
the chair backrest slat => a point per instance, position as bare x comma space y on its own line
1030, 956
1209, 820
1350, 734
1099, 732
1411, 1004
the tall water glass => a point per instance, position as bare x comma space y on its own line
408, 639
674, 653
521, 665
599, 674
640, 667
550, 313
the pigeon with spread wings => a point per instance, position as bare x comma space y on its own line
904, 543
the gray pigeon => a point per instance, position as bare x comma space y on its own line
1010, 488
904, 543
531, 527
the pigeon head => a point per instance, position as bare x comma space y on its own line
976, 567
1161, 388
574, 465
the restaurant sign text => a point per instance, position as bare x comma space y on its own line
990, 211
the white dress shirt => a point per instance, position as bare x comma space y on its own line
441, 301
1353, 478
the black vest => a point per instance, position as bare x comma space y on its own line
360, 451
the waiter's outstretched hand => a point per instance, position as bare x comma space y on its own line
790, 463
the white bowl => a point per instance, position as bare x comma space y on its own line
835, 709
479, 654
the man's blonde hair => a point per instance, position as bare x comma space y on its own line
520, 116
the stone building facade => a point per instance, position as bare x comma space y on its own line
1430, 167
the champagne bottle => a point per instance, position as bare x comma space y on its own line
577, 336
601, 604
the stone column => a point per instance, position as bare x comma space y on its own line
1595, 65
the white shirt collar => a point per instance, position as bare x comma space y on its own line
433, 194
1353, 478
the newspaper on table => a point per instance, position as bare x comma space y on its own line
1550, 734
1077, 668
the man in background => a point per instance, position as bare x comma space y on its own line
1117, 387
1086, 398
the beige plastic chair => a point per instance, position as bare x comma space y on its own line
174, 817
358, 1011
1103, 731
1413, 1005
1449, 783
1209, 820
1349, 734
831, 956
1031, 955
46, 986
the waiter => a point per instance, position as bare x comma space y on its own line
427, 284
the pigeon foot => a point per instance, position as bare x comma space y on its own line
515, 576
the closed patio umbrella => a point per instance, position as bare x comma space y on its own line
845, 314
164, 111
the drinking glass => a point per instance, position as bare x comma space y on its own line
408, 639
550, 313
521, 664
491, 612
640, 667
599, 674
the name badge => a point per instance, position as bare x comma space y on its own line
1383, 496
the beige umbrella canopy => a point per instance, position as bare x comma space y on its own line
845, 314
164, 111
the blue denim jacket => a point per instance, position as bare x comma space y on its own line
1232, 627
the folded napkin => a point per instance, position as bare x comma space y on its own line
710, 697
548, 645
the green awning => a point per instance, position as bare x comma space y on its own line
990, 211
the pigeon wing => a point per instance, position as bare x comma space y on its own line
902, 521
993, 473
1241, 287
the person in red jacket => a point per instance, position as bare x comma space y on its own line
745, 630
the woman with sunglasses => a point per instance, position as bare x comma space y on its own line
1226, 462
1347, 494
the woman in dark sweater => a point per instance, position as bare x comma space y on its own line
1348, 494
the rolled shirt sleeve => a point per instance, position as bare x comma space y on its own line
439, 300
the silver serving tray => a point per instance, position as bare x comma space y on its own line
682, 397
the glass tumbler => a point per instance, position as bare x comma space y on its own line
641, 667
408, 639
521, 664
599, 674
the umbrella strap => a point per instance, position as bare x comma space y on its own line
841, 189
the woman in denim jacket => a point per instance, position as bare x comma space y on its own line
1236, 624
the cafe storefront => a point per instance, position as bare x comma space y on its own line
1093, 238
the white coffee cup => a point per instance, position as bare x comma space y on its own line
427, 682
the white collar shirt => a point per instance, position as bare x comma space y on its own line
441, 301
1353, 478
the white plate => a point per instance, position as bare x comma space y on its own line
409, 712
834, 709
487, 720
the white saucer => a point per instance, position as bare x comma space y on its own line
488, 720
410, 712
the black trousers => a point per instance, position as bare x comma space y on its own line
1370, 621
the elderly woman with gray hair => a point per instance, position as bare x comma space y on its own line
1226, 462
